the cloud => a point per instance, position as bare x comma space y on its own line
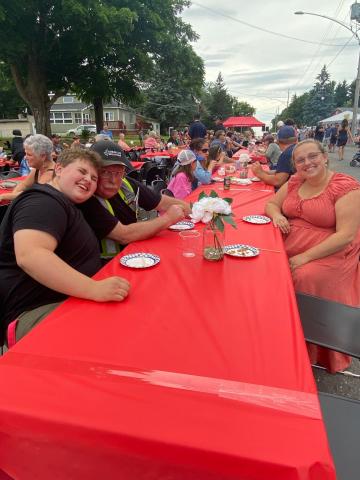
265, 65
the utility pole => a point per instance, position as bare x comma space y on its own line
287, 103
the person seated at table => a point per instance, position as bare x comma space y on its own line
48, 251
122, 144
174, 138
182, 176
317, 210
202, 173
287, 139
114, 212
272, 150
232, 145
38, 151
151, 142
76, 143
220, 139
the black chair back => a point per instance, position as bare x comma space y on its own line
337, 326
158, 185
330, 324
154, 173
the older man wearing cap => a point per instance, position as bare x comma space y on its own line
113, 212
286, 139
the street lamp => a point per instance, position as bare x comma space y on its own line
357, 81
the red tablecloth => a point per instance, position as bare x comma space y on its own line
6, 190
201, 374
166, 153
137, 165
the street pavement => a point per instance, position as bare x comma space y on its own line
338, 383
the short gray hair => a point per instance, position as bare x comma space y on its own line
40, 145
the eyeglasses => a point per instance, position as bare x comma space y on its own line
204, 150
110, 174
311, 157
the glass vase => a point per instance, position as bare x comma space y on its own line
213, 243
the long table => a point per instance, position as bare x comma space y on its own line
200, 374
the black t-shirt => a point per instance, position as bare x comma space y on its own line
103, 222
42, 208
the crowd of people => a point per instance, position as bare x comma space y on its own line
77, 208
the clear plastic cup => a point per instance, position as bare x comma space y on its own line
190, 243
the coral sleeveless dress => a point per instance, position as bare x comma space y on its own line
335, 277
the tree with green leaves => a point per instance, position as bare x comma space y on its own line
217, 100
155, 49
46, 43
320, 102
242, 109
173, 91
342, 94
99, 48
11, 104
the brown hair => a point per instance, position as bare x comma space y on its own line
214, 152
218, 133
197, 144
319, 145
187, 169
71, 155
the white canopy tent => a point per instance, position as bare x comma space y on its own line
339, 117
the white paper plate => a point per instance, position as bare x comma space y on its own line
255, 179
241, 251
240, 181
140, 260
258, 219
183, 225
8, 184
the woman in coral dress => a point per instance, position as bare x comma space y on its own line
318, 212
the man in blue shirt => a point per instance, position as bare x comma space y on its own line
197, 129
106, 132
287, 139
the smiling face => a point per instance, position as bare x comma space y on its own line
110, 179
309, 160
77, 180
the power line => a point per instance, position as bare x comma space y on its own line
217, 12
333, 60
301, 80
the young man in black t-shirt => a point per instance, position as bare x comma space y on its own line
47, 250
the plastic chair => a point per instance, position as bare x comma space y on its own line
158, 185
145, 168
336, 326
154, 173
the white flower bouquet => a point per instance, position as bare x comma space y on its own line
214, 211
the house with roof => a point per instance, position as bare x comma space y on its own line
68, 112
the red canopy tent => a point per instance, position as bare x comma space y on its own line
242, 122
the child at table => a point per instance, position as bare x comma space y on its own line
182, 181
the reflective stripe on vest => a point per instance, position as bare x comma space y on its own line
109, 248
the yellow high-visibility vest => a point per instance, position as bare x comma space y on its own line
109, 248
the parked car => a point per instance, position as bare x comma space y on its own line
78, 130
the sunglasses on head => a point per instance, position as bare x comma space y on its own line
204, 150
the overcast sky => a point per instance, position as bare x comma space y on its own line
260, 67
